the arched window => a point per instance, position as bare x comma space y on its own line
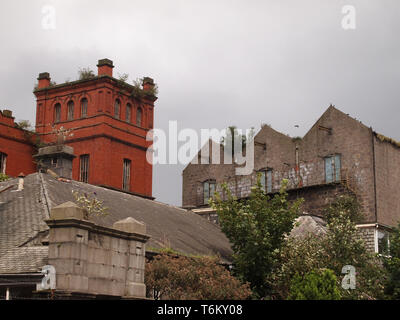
57, 112
84, 104
139, 116
70, 110
117, 107
128, 113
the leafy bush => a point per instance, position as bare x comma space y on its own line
257, 229
195, 278
340, 246
3, 177
315, 285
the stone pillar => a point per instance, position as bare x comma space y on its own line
96, 260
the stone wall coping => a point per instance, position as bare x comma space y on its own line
93, 227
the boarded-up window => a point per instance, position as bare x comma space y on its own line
84, 107
208, 190
84, 168
128, 113
3, 162
117, 107
332, 168
139, 116
57, 112
70, 110
126, 181
266, 180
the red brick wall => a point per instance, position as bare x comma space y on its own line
17, 145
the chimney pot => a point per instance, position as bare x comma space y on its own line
148, 83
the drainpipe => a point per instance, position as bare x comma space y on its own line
374, 172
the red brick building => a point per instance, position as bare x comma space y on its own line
105, 121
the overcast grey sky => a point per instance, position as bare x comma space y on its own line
217, 63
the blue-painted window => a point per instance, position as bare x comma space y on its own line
332, 168
266, 180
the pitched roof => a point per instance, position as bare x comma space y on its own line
23, 214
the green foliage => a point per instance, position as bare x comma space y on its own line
392, 265
139, 93
123, 77
3, 177
256, 229
340, 246
183, 278
315, 285
347, 205
233, 137
86, 73
25, 125
92, 206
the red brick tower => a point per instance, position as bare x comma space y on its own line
106, 121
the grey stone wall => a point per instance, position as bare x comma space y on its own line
93, 259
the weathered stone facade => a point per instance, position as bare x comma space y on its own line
92, 259
369, 168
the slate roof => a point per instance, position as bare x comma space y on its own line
22, 226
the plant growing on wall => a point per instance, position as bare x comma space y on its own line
86, 73
91, 205
138, 92
3, 177
257, 228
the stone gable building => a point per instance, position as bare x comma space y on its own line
337, 155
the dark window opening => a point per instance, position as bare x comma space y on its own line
208, 190
84, 105
3, 162
84, 168
70, 110
128, 113
57, 113
126, 175
117, 109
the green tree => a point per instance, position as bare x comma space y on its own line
315, 285
340, 246
180, 277
256, 229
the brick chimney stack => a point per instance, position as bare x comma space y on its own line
148, 83
44, 80
105, 67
